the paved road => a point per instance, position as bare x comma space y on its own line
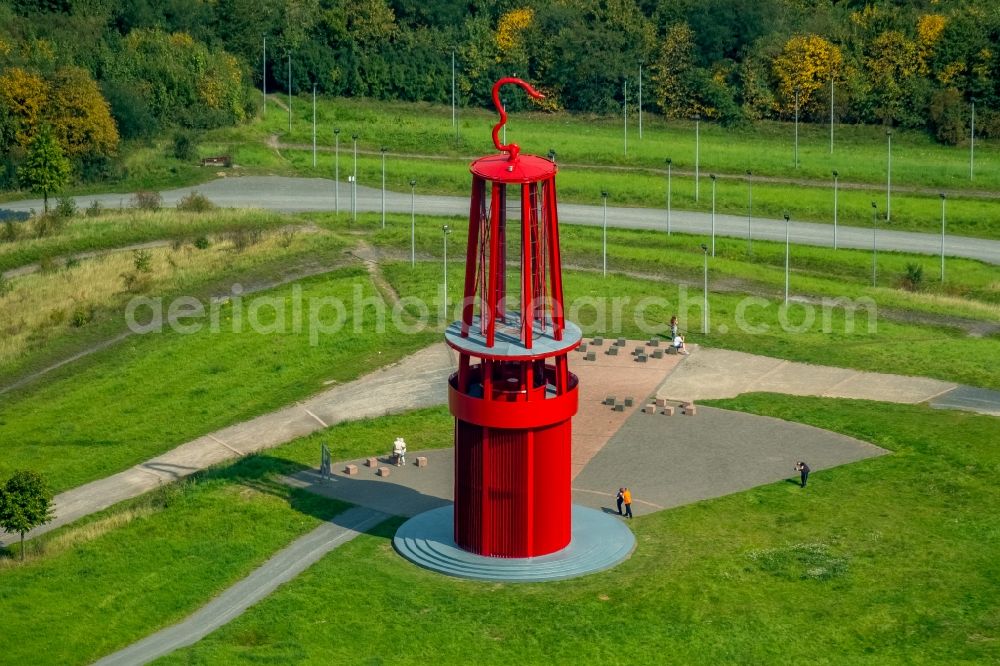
318, 194
283, 567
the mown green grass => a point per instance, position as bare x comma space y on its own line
119, 575
888, 560
765, 148
154, 391
838, 335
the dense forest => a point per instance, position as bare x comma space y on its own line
93, 72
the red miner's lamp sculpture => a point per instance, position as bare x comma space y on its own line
513, 396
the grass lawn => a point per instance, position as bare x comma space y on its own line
154, 391
620, 305
889, 560
117, 576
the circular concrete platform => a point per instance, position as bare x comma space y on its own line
599, 541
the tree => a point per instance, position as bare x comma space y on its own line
45, 169
807, 63
25, 503
80, 116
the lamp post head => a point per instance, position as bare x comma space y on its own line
354, 136
446, 229
749, 172
413, 183
942, 195
786, 216
712, 177
552, 154
383, 149
874, 206
835, 174
669, 161
704, 248
604, 194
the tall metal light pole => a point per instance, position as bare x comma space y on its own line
604, 238
749, 211
831, 113
263, 78
697, 153
625, 115
382, 150
942, 237
972, 141
786, 257
874, 243
669, 164
446, 230
336, 168
289, 91
704, 309
640, 101
835, 179
413, 223
796, 127
354, 181
713, 213
888, 175
314, 126
454, 118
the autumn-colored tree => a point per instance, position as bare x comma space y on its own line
510, 27
929, 29
80, 116
807, 63
45, 169
26, 97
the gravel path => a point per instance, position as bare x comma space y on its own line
315, 194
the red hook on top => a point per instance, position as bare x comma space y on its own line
511, 148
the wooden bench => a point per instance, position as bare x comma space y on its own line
217, 161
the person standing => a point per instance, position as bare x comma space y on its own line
627, 498
803, 470
673, 327
620, 497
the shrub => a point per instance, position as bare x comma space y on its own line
135, 282
11, 232
195, 203
913, 279
945, 115
244, 238
287, 236
66, 207
146, 200
95, 209
5, 286
184, 147
143, 261
48, 224
201, 242
81, 316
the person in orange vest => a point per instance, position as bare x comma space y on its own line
627, 496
